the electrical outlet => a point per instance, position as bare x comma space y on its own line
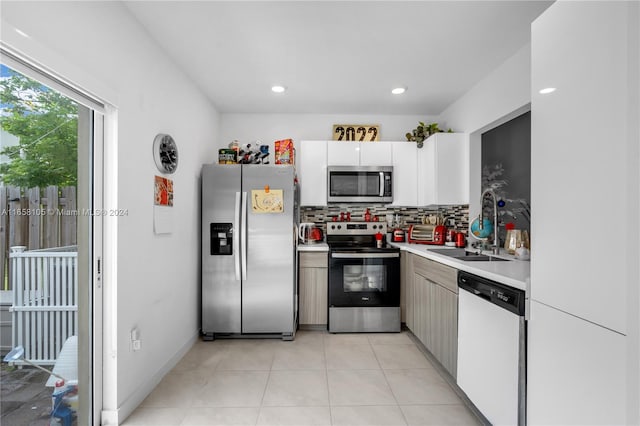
136, 344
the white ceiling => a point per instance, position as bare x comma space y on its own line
337, 57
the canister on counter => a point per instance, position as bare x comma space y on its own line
227, 156
398, 235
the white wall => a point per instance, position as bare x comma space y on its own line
633, 269
101, 48
268, 128
506, 89
500, 96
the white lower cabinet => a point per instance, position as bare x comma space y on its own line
432, 309
575, 372
313, 280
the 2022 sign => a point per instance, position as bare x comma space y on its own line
355, 132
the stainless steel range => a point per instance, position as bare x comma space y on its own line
364, 280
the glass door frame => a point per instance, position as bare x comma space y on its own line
93, 119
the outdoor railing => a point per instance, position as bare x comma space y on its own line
45, 301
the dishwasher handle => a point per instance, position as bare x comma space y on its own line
509, 298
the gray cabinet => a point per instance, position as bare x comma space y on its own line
313, 280
432, 308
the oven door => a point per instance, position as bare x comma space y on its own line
364, 279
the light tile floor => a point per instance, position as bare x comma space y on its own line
318, 379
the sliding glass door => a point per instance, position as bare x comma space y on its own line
51, 242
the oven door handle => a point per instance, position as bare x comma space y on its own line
364, 255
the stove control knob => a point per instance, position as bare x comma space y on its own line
375, 226
333, 227
339, 226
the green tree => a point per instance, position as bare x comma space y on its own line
46, 122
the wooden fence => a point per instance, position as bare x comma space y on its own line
37, 218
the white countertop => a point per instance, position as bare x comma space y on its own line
313, 247
515, 273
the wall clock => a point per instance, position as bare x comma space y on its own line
165, 153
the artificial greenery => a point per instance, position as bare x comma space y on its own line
422, 132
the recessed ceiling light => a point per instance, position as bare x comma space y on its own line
278, 89
22, 33
399, 90
547, 90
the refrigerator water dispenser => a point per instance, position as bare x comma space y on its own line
221, 239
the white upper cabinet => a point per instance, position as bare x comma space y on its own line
438, 173
443, 170
405, 173
311, 166
341, 153
376, 153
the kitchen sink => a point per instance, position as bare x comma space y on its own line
467, 256
452, 252
480, 258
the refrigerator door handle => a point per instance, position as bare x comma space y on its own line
243, 232
236, 237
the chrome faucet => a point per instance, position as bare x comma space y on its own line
496, 243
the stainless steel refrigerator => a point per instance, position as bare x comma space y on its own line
248, 250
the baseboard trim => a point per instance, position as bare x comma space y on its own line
312, 327
115, 417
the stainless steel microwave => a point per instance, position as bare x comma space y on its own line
359, 184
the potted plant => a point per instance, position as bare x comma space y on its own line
422, 132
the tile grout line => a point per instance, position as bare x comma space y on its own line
325, 347
266, 385
326, 374
386, 379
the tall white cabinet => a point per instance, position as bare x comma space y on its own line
584, 165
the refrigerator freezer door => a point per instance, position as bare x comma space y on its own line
268, 289
221, 285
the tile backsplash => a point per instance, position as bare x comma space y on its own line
456, 216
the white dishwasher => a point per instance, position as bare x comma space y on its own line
492, 348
